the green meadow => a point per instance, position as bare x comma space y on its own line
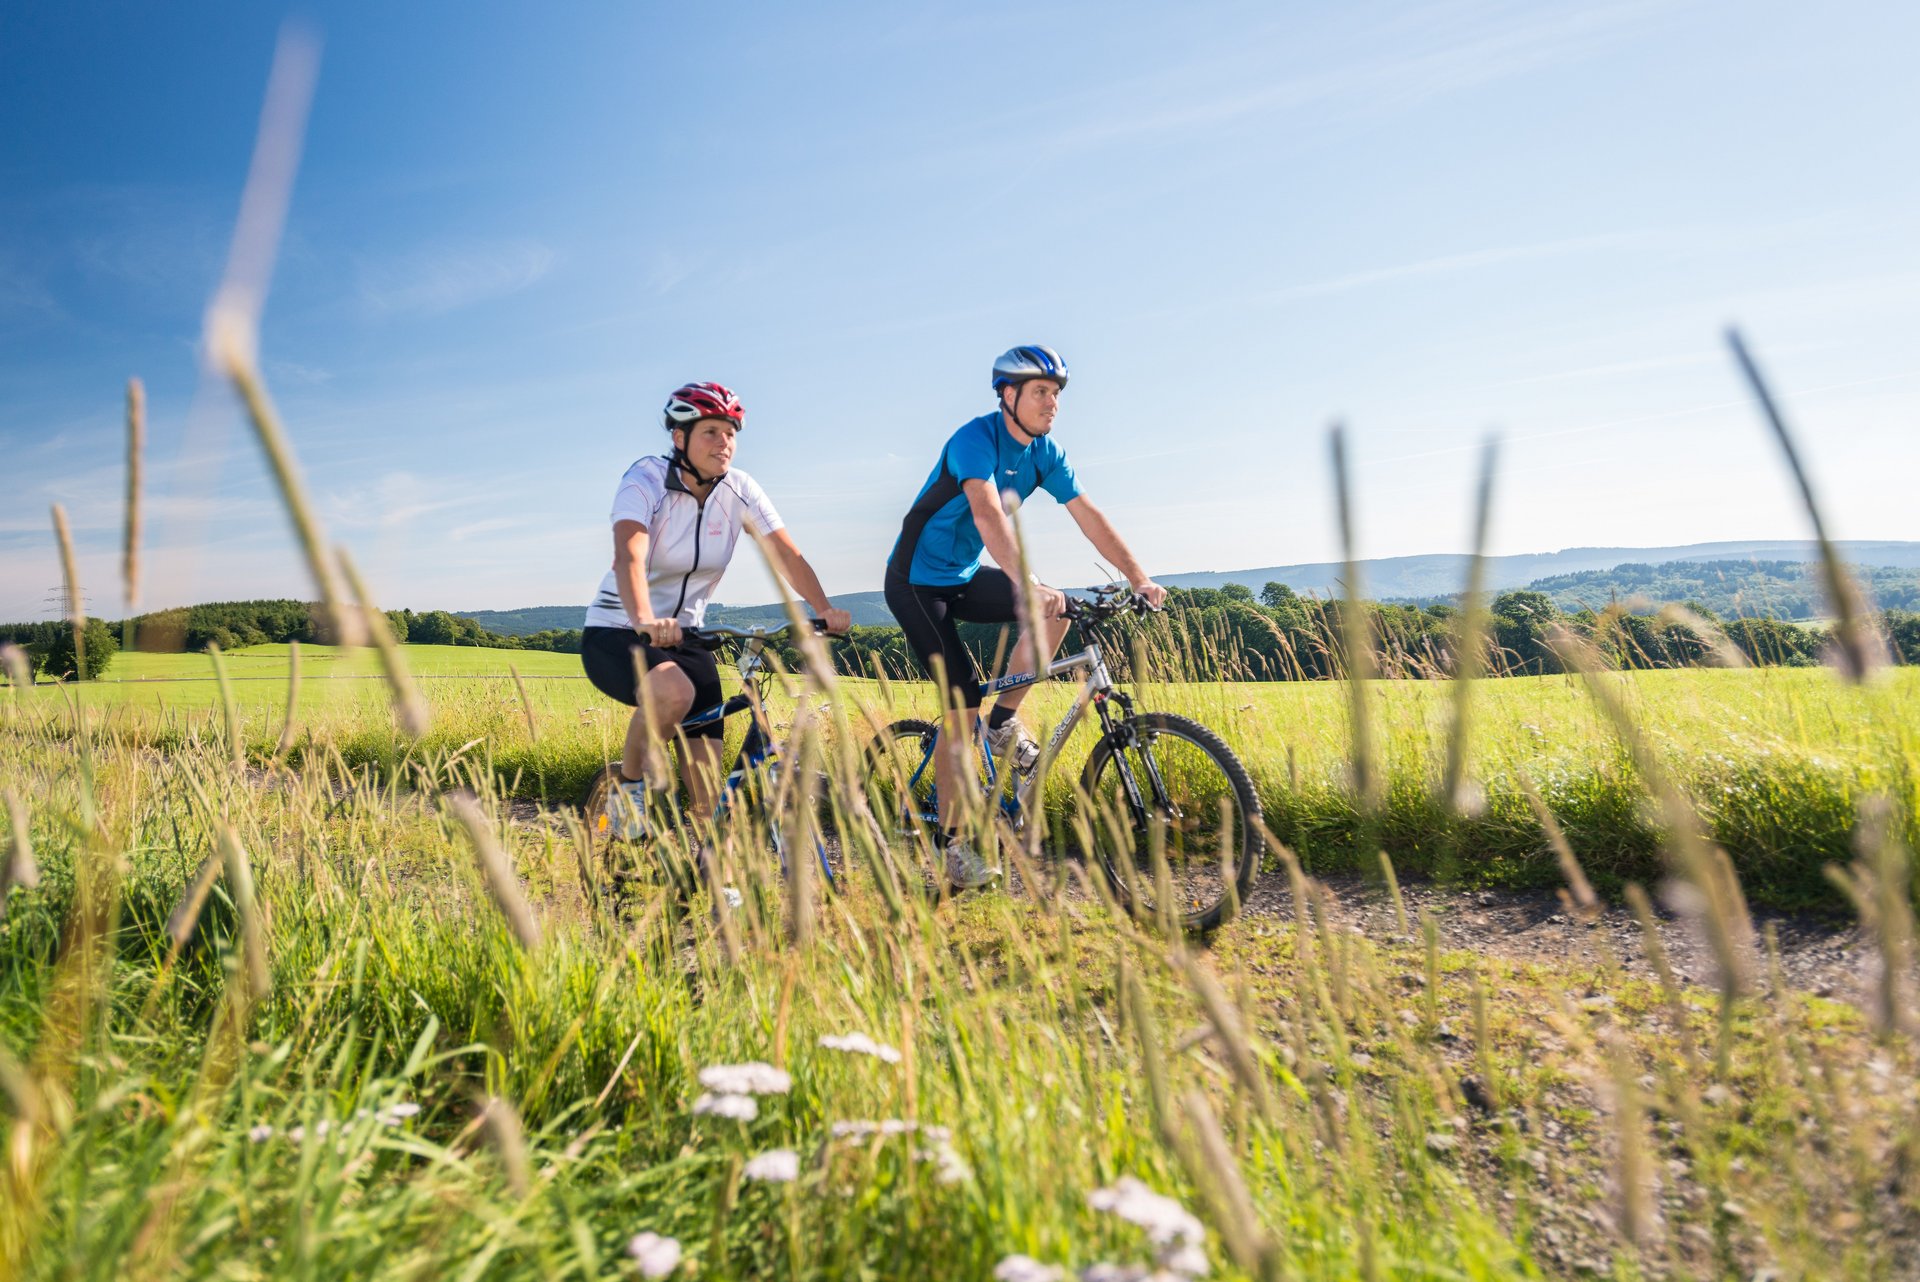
363, 1011
1775, 760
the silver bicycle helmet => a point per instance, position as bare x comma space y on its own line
1018, 364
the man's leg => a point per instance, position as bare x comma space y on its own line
1053, 632
953, 759
924, 615
992, 597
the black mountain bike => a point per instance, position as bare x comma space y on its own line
754, 778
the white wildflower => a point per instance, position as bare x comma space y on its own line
860, 1129
861, 1044
953, 1167
297, 1134
1024, 1268
1104, 1272
746, 1079
260, 1134
394, 1114
1164, 1219
775, 1166
740, 1108
1189, 1260
657, 1255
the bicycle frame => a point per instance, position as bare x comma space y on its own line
758, 748
1097, 689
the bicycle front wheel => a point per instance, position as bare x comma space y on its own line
1174, 822
899, 780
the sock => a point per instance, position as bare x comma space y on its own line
1000, 715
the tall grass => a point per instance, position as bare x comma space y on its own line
1271, 1085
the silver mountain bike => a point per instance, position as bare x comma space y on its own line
1170, 814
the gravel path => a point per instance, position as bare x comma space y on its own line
1824, 956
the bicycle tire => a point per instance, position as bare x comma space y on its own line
1192, 841
609, 871
901, 816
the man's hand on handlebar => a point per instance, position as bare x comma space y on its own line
837, 621
1052, 601
664, 633
1152, 593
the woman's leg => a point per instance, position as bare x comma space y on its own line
700, 764
669, 694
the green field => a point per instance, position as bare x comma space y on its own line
1776, 760
341, 1058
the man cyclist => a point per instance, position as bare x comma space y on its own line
935, 579
676, 518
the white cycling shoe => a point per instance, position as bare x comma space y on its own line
967, 869
627, 810
1012, 738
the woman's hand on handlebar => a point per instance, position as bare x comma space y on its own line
836, 621
664, 633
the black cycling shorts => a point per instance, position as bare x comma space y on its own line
927, 614
607, 655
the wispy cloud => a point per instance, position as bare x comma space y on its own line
1444, 48
393, 500
1374, 277
450, 276
23, 292
487, 525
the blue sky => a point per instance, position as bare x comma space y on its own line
515, 230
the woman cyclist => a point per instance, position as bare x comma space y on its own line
676, 518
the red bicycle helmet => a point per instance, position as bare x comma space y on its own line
703, 400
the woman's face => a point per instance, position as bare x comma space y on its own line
709, 444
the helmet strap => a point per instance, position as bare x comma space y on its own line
1011, 408
685, 464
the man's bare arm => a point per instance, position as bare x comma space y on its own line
1107, 542
996, 531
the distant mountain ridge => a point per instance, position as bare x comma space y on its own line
1437, 574
1429, 577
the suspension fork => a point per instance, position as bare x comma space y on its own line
1122, 736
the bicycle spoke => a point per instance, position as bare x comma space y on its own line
1175, 820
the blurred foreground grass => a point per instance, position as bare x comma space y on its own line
407, 1091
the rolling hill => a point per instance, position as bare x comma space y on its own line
1776, 586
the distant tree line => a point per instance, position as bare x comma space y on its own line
1228, 633
50, 648
1222, 633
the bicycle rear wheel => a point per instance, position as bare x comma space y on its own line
1175, 822
619, 865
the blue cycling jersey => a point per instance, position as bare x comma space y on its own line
939, 544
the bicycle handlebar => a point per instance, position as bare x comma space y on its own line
1109, 601
721, 632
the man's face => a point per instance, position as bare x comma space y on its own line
709, 444
1034, 403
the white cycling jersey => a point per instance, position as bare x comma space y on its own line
688, 542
